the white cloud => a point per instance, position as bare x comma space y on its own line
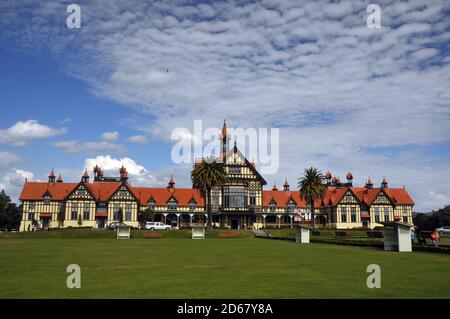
13, 182
89, 147
23, 132
7, 159
139, 139
138, 174
110, 136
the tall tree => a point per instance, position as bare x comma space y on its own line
312, 187
206, 175
10, 214
62, 215
145, 216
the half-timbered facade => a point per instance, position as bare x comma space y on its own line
241, 203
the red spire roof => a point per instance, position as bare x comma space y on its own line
328, 175
349, 175
86, 174
274, 188
59, 179
334, 180
286, 182
224, 129
52, 173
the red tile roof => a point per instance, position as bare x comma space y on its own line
162, 195
36, 190
102, 191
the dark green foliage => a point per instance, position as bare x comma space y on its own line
311, 188
10, 213
205, 176
433, 220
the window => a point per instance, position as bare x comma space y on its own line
353, 214
386, 214
74, 212
128, 212
272, 207
234, 170
252, 195
290, 207
116, 211
343, 214
46, 200
86, 211
235, 198
405, 214
192, 206
377, 214
151, 204
172, 205
30, 216
215, 197
32, 205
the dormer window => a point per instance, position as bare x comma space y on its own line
272, 207
192, 206
47, 200
290, 207
151, 205
172, 205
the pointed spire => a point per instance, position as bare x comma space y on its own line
328, 175
52, 177
286, 185
171, 183
384, 183
60, 180
349, 176
274, 188
224, 130
369, 183
85, 177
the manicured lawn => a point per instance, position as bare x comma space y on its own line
213, 268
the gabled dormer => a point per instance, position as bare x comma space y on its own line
123, 193
80, 192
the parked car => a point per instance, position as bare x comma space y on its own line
157, 226
114, 225
443, 230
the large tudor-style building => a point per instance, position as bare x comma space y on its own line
240, 203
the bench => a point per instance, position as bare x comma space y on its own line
262, 233
343, 234
123, 232
198, 232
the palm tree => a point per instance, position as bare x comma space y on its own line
311, 188
206, 175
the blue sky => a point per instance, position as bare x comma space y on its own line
345, 97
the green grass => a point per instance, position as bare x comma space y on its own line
213, 268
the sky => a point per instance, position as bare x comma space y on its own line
345, 97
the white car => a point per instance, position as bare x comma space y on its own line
443, 230
157, 226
